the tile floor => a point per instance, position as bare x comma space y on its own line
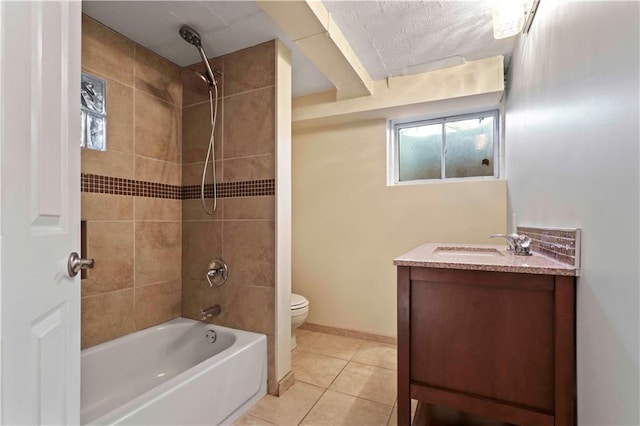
338, 381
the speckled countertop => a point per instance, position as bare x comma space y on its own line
476, 257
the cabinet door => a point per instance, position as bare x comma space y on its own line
484, 333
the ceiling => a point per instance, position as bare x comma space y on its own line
390, 38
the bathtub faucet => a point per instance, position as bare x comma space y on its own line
210, 311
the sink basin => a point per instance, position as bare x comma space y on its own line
468, 251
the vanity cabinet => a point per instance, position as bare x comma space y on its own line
487, 347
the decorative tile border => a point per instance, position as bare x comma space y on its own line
562, 245
121, 186
247, 188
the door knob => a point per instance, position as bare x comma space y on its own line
75, 264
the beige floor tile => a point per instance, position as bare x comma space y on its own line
316, 369
393, 420
336, 346
339, 409
378, 355
305, 338
290, 408
365, 381
249, 420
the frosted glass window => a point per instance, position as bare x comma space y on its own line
469, 148
420, 152
444, 148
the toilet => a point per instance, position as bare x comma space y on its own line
299, 311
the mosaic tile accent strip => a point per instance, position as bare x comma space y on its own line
562, 245
247, 188
121, 186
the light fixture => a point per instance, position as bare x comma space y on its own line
508, 18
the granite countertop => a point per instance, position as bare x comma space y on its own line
476, 257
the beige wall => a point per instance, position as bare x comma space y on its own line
242, 231
134, 240
348, 225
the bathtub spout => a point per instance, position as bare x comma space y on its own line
210, 312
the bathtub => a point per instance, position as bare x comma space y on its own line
171, 374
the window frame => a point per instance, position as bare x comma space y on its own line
393, 147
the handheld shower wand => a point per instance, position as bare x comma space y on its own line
193, 37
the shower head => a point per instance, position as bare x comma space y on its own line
192, 36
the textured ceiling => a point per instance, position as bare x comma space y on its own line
404, 37
390, 37
225, 26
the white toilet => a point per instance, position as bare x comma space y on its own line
299, 311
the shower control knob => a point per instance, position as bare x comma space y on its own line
217, 273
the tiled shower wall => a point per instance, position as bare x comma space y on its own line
135, 240
242, 229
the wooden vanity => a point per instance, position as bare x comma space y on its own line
485, 337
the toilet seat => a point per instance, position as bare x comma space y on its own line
298, 302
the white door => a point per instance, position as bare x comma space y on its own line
39, 211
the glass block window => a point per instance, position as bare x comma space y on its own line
454, 147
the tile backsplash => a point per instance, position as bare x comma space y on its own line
562, 245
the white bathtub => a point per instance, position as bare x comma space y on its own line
171, 375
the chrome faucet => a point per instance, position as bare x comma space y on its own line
519, 244
210, 311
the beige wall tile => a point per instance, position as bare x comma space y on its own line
195, 91
106, 206
158, 252
250, 68
107, 316
192, 173
250, 168
157, 76
107, 163
196, 131
249, 208
272, 383
251, 308
157, 303
152, 170
106, 51
290, 408
201, 242
335, 408
196, 295
193, 210
111, 245
249, 123
158, 128
158, 209
119, 117
249, 251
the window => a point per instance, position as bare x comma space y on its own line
464, 146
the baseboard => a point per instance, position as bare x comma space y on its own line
286, 382
349, 333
